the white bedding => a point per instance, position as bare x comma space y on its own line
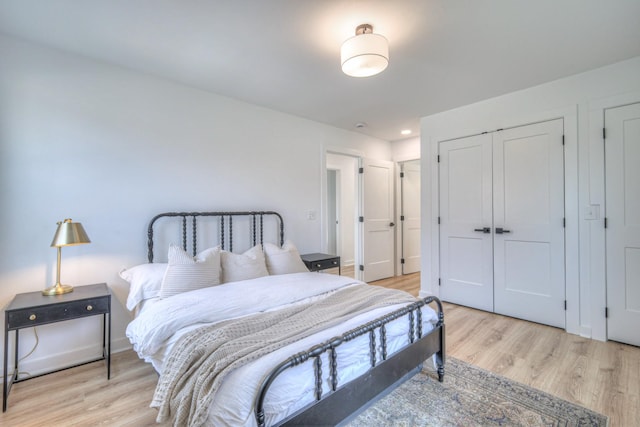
160, 324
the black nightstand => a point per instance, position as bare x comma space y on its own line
34, 309
317, 261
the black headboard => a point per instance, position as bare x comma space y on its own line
225, 221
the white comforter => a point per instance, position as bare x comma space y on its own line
162, 323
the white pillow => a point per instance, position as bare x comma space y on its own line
145, 281
283, 260
186, 273
248, 265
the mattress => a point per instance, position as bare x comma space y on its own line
161, 323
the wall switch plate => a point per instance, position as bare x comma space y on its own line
311, 215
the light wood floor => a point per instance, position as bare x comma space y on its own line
604, 377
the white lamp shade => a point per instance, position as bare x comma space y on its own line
364, 55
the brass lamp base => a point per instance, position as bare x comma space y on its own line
58, 289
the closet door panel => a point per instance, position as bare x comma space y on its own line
622, 160
528, 206
466, 260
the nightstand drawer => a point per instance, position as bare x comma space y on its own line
324, 264
63, 311
318, 261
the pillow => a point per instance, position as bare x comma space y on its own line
186, 273
283, 260
145, 281
248, 265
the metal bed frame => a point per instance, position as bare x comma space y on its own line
343, 400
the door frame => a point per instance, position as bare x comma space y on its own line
358, 156
430, 244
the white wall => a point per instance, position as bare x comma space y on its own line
580, 100
405, 149
111, 148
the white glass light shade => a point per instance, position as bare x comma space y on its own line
364, 55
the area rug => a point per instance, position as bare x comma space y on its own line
471, 396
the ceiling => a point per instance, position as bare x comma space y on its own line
285, 54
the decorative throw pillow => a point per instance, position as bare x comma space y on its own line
187, 273
283, 260
145, 281
248, 265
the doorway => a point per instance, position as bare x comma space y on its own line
333, 211
342, 210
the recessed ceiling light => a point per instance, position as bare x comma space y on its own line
406, 132
361, 125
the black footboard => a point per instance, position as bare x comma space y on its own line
343, 400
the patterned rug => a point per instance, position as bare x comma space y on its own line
471, 396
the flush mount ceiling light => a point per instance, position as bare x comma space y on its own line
365, 54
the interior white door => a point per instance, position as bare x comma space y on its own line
528, 215
410, 216
378, 213
622, 164
466, 246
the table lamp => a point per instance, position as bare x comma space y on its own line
69, 233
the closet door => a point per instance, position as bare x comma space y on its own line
622, 157
466, 253
528, 210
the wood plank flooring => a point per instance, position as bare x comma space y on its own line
604, 377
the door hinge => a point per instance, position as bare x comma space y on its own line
565, 305
438, 220
401, 174
361, 219
606, 312
562, 139
401, 217
360, 170
564, 222
401, 260
438, 158
604, 133
606, 223
439, 282
361, 267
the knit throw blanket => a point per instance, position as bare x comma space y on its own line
200, 360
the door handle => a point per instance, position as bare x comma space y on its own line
485, 230
500, 230
392, 224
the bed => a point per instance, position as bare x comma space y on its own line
270, 343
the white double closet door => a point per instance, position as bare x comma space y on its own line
502, 222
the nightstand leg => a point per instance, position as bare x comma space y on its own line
6, 374
15, 354
109, 347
